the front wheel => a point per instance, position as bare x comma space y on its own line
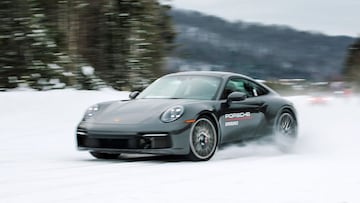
100, 155
203, 140
286, 130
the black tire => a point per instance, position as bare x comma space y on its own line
285, 131
100, 155
203, 140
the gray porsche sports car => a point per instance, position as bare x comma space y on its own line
187, 113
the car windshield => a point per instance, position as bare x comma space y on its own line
182, 87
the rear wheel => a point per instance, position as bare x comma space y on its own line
286, 130
203, 140
101, 155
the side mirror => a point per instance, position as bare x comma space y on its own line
236, 97
133, 95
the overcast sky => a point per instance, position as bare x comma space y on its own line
333, 17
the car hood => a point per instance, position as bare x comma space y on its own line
135, 111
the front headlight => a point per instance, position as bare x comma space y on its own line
172, 114
90, 112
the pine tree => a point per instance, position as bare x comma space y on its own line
12, 42
30, 56
145, 25
129, 44
352, 64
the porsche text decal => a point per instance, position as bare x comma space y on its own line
232, 119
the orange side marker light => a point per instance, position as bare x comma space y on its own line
190, 121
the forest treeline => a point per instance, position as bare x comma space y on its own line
126, 44
49, 42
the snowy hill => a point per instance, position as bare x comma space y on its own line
261, 51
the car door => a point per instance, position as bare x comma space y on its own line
242, 119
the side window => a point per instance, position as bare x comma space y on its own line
251, 89
258, 90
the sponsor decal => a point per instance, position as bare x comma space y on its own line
232, 119
237, 116
232, 123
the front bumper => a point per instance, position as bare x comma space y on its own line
148, 139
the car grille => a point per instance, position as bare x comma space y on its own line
130, 142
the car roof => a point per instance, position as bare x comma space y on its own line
209, 73
221, 74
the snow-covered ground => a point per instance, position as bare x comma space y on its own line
39, 162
